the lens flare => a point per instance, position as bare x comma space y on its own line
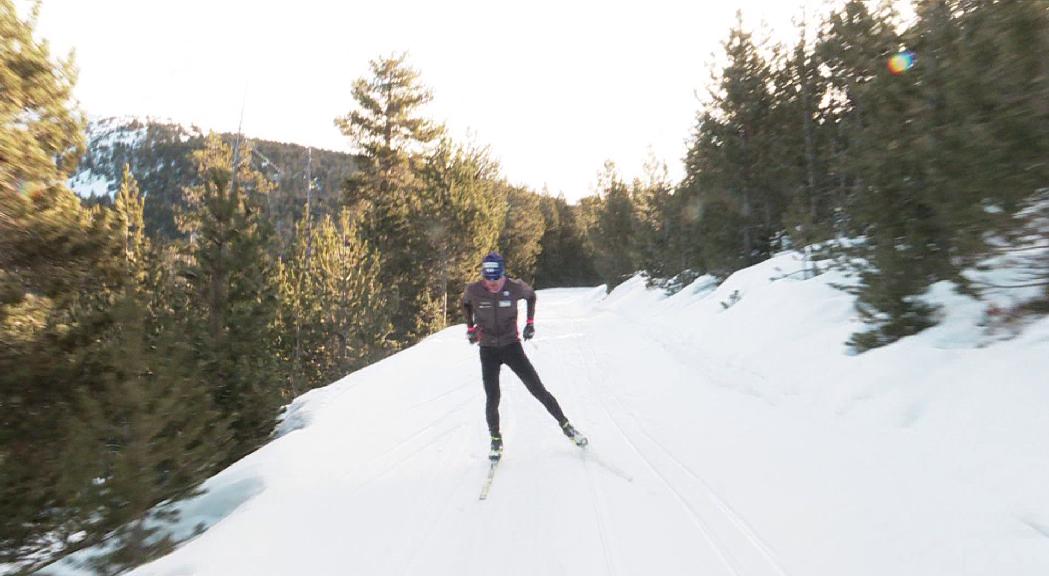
901, 62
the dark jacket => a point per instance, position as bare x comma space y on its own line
495, 313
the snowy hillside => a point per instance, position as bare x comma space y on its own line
161, 157
731, 434
110, 143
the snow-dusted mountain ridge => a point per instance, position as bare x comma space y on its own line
160, 155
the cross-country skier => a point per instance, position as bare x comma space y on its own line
490, 308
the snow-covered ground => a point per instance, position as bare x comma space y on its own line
735, 439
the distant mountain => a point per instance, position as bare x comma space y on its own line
161, 158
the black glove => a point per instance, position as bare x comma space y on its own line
529, 331
472, 334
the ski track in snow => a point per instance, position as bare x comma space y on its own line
453, 495
726, 558
1039, 528
723, 506
392, 458
602, 522
602, 371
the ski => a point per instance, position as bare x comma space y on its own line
614, 470
588, 455
488, 481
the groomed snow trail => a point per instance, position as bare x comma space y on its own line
384, 477
699, 463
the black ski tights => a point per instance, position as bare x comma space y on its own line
492, 358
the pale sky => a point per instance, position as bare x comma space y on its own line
555, 88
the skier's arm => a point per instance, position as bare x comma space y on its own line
468, 312
529, 296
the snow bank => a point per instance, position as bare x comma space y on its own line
939, 437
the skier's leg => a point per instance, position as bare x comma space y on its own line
517, 361
490, 363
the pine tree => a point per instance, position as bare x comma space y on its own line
683, 227
890, 198
156, 431
565, 260
391, 140
41, 136
47, 248
732, 192
651, 198
466, 209
587, 213
522, 232
231, 274
986, 127
615, 226
800, 122
333, 316
128, 207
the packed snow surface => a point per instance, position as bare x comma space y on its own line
731, 434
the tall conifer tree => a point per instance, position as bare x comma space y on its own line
566, 259
333, 315
734, 199
47, 250
465, 209
231, 274
522, 231
614, 229
391, 138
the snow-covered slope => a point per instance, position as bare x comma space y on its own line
110, 142
731, 434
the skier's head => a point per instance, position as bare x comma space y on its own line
493, 267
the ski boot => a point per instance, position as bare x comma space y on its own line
497, 449
574, 435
